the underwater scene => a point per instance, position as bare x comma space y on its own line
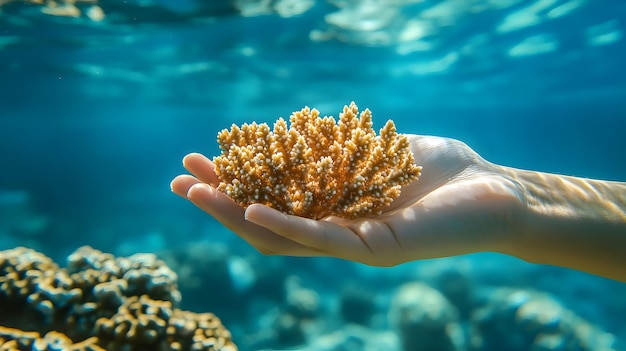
100, 101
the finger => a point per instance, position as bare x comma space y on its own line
201, 167
325, 236
231, 215
182, 183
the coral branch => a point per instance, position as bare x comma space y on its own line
316, 167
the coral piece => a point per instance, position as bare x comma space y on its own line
99, 302
316, 167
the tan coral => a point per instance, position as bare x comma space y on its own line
316, 166
201, 331
139, 322
20, 269
17, 340
128, 302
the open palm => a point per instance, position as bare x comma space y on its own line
461, 204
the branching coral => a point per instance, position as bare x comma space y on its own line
316, 167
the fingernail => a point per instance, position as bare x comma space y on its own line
248, 215
198, 186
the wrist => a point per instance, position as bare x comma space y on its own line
572, 222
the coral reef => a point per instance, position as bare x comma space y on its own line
204, 265
297, 319
425, 319
98, 302
353, 337
519, 320
316, 167
357, 305
12, 339
291, 322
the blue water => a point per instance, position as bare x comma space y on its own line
96, 115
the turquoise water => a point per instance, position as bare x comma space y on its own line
97, 110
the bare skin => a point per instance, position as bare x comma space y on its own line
461, 204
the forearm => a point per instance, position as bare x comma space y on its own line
573, 222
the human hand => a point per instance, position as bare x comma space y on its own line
460, 204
